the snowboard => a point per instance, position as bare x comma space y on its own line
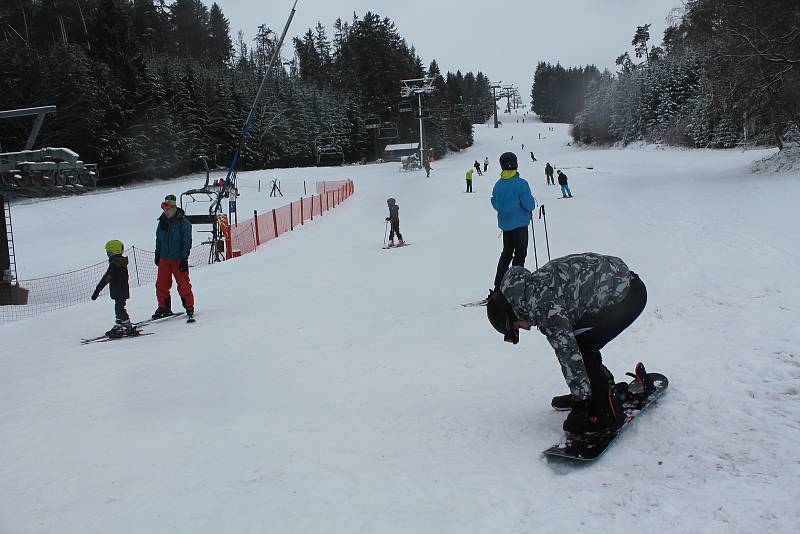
590, 449
398, 246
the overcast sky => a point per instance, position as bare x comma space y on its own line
504, 39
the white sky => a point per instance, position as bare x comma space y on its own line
503, 39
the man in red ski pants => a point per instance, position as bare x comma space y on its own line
173, 243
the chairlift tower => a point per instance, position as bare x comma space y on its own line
419, 87
494, 88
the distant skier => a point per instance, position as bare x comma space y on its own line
486, 164
514, 202
548, 173
116, 277
394, 221
533, 158
173, 243
477, 167
469, 180
523, 147
427, 166
580, 302
562, 181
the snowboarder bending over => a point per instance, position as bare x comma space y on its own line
514, 202
116, 277
173, 243
580, 302
562, 181
394, 220
469, 181
548, 174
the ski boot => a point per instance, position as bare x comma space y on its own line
121, 329
163, 311
401, 243
189, 314
391, 243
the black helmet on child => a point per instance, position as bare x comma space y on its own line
508, 161
502, 316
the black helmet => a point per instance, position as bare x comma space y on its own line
508, 161
502, 316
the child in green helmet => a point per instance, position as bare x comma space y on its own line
116, 277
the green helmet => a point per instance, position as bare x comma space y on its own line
114, 247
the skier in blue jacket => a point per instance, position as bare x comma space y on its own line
514, 202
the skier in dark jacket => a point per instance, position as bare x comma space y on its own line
116, 277
427, 166
394, 221
173, 243
562, 181
514, 202
548, 174
580, 302
477, 167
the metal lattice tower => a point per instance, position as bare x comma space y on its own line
419, 87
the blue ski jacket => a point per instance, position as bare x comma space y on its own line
173, 237
514, 202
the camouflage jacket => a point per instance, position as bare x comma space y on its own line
558, 295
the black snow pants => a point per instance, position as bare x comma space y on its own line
395, 223
603, 327
120, 312
469, 186
515, 248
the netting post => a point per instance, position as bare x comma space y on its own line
275, 222
291, 216
304, 189
312, 207
302, 213
136, 267
255, 219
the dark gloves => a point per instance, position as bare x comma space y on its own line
157, 258
387, 219
95, 295
184, 265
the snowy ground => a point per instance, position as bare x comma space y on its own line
331, 386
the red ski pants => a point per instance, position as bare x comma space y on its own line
167, 269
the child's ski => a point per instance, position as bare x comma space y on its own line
104, 338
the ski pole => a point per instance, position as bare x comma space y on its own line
543, 216
385, 232
535, 256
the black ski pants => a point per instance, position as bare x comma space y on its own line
515, 248
395, 229
550, 180
604, 327
120, 312
469, 186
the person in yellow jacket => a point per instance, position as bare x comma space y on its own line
469, 180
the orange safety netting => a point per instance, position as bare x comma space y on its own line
246, 236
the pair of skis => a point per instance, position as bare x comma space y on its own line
397, 246
137, 328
